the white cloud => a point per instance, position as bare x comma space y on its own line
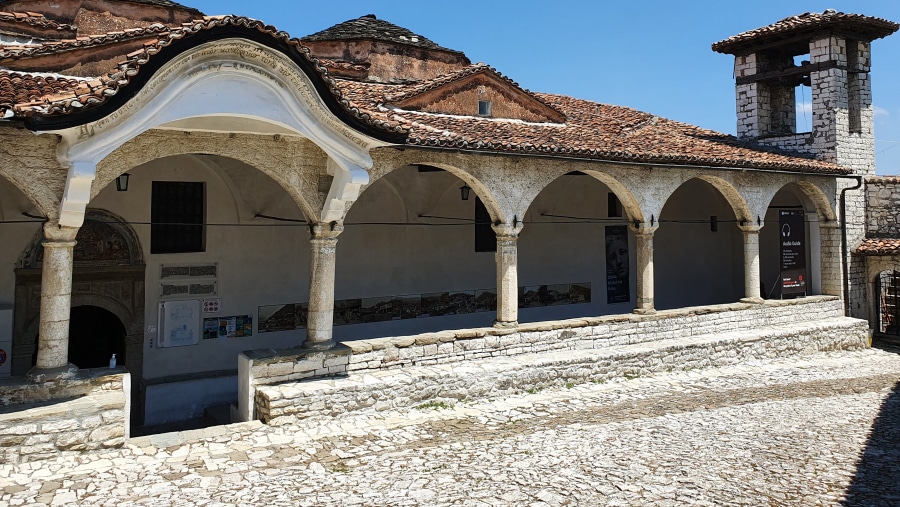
880, 111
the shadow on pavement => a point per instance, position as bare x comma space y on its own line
877, 479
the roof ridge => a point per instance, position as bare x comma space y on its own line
450, 77
370, 27
120, 78
63, 45
35, 19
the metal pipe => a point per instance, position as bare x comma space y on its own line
845, 268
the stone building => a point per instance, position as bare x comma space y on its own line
178, 188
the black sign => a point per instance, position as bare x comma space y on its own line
793, 252
617, 272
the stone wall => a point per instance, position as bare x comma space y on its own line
448, 383
883, 207
261, 368
89, 411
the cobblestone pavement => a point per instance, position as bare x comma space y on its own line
819, 430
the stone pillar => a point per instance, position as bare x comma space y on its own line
644, 238
751, 264
507, 276
56, 301
320, 320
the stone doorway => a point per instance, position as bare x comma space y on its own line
95, 334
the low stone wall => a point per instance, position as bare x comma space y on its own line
89, 411
584, 333
272, 367
449, 383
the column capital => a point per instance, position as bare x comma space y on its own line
750, 228
326, 230
507, 231
55, 233
642, 229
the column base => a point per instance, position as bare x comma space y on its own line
40, 375
328, 345
506, 325
644, 311
753, 301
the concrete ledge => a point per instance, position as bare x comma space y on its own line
382, 390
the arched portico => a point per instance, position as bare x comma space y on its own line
703, 255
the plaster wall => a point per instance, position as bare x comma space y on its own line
14, 234
259, 261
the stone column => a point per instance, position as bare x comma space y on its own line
56, 301
507, 275
644, 238
751, 264
320, 319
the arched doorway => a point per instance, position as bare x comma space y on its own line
887, 286
95, 334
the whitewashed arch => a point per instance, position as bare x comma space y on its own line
229, 78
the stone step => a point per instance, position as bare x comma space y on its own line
503, 375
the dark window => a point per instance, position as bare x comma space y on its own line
485, 237
613, 206
178, 216
484, 107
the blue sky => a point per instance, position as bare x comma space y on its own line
652, 55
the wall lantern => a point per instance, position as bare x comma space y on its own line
122, 182
464, 192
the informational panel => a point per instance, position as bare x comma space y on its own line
179, 323
617, 268
793, 252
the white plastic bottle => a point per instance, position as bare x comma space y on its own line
112, 361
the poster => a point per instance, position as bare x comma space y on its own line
617, 269
793, 252
179, 323
239, 326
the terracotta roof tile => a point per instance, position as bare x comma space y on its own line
370, 27
879, 247
59, 46
131, 66
35, 19
26, 90
868, 27
591, 131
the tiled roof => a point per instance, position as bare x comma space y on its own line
591, 131
90, 41
161, 3
879, 247
370, 27
868, 27
35, 19
17, 89
74, 99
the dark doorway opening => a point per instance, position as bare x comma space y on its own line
95, 335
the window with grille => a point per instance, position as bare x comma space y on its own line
178, 217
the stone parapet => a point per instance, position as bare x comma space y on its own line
89, 411
357, 359
448, 383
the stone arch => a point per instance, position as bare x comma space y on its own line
124, 313
296, 170
731, 195
479, 188
816, 196
124, 246
630, 205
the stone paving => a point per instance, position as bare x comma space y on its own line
821, 430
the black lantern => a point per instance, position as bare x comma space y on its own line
464, 192
122, 182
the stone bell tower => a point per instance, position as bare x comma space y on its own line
837, 71
835, 62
